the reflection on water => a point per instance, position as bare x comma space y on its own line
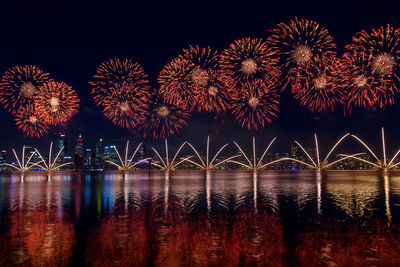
234, 218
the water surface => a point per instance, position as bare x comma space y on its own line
219, 218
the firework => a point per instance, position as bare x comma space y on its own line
255, 104
56, 102
30, 123
364, 88
163, 119
319, 88
298, 44
115, 72
19, 84
124, 105
383, 48
249, 59
203, 57
213, 97
209, 86
178, 86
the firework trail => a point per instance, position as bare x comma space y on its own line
298, 44
163, 119
124, 105
209, 82
381, 62
319, 88
56, 102
115, 72
177, 84
19, 85
31, 125
120, 88
247, 60
383, 46
214, 97
364, 88
255, 104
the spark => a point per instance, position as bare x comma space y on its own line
360, 81
254, 102
249, 66
302, 54
163, 111
320, 82
383, 64
28, 89
212, 90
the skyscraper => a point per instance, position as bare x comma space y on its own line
78, 155
3, 156
59, 143
79, 146
89, 159
110, 154
99, 154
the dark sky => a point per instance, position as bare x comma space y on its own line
69, 40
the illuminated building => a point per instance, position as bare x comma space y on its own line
99, 154
3, 156
60, 142
110, 154
78, 155
89, 159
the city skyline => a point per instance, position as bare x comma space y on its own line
106, 157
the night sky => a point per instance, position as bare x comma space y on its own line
70, 40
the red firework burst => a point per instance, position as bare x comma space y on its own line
255, 104
383, 48
163, 119
318, 88
124, 105
364, 88
297, 44
116, 72
56, 102
177, 84
209, 85
18, 86
31, 125
249, 59
203, 57
213, 97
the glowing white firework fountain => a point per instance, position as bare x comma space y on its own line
256, 165
207, 164
380, 164
166, 164
22, 165
51, 166
128, 163
320, 165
